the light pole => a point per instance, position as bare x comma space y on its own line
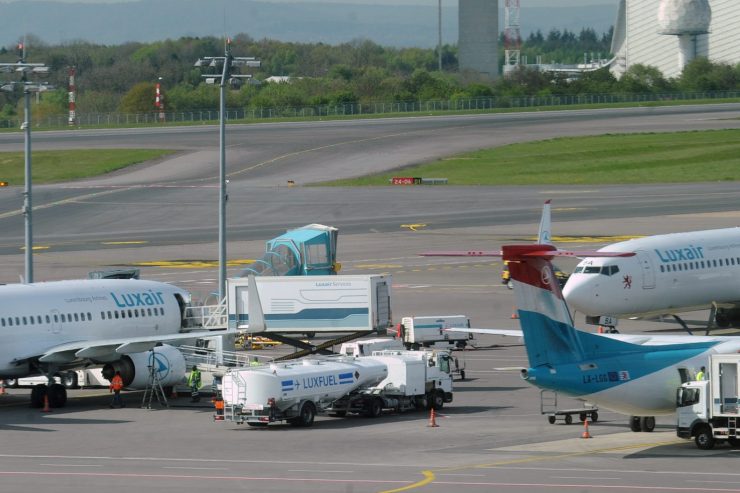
439, 39
28, 87
225, 64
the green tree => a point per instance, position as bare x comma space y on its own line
139, 99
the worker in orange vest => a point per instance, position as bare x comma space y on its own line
116, 384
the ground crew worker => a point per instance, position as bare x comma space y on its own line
116, 384
194, 383
701, 374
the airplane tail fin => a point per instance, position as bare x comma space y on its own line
546, 323
544, 235
547, 326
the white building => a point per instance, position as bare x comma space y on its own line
637, 38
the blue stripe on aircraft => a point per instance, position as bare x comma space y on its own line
553, 350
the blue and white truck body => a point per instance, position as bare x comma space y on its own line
297, 391
317, 304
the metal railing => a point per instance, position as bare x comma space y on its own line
207, 316
360, 109
209, 358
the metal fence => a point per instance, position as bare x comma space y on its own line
369, 109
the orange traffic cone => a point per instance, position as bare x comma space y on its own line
514, 313
601, 329
46, 408
432, 420
173, 395
219, 405
585, 433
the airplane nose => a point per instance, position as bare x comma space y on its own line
580, 295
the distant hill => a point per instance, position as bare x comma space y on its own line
151, 20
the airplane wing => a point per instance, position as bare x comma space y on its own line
101, 348
496, 332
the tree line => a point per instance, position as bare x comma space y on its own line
121, 78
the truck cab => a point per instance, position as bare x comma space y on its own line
707, 410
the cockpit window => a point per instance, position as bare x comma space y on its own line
578, 270
610, 270
592, 269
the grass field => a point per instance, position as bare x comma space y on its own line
60, 166
609, 159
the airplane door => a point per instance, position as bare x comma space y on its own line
56, 324
646, 268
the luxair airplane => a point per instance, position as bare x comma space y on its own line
51, 326
669, 274
631, 374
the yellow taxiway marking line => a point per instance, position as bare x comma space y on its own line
191, 264
429, 476
414, 227
124, 242
591, 239
36, 247
70, 200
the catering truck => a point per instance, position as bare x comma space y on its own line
295, 392
707, 410
428, 331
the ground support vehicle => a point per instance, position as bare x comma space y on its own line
707, 410
549, 408
295, 392
428, 331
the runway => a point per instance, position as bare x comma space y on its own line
491, 438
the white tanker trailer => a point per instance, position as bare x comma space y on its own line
296, 391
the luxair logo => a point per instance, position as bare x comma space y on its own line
681, 254
146, 298
160, 363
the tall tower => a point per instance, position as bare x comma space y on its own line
478, 37
686, 19
512, 36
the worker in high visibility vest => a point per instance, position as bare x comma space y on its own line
116, 384
194, 383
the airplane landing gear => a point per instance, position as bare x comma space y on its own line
642, 423
56, 394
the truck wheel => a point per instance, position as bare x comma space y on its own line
461, 344
635, 423
594, 416
647, 423
551, 420
257, 425
11, 382
438, 400
374, 408
70, 380
734, 442
415, 347
582, 417
704, 438
568, 419
305, 416
462, 374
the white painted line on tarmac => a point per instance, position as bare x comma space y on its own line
466, 475
623, 471
320, 471
586, 477
189, 468
72, 465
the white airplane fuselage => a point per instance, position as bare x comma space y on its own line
669, 274
37, 317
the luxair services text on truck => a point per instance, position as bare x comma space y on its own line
295, 392
428, 331
708, 409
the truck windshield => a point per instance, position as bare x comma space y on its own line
444, 363
687, 397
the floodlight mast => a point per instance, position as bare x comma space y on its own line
227, 63
24, 68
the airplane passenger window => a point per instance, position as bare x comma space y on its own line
116, 314
10, 321
64, 319
56, 318
720, 262
2, 322
714, 262
136, 312
129, 313
25, 321
662, 269
102, 315
89, 317
109, 315
77, 318
48, 319
149, 311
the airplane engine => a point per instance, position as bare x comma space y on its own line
167, 360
